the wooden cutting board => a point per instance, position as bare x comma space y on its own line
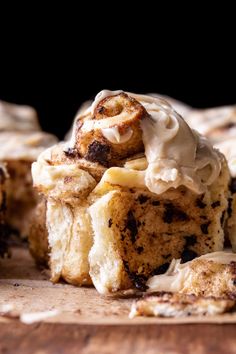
102, 322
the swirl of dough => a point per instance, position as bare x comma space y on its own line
109, 130
119, 125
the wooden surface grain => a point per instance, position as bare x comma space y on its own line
172, 339
91, 324
29, 290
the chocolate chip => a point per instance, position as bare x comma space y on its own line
180, 215
71, 152
101, 109
200, 204
229, 125
140, 249
109, 222
230, 200
222, 219
161, 269
2, 176
142, 199
187, 255
168, 215
3, 240
204, 227
155, 203
215, 204
139, 281
172, 213
233, 185
131, 225
3, 205
190, 240
98, 152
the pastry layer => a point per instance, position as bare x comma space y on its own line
18, 151
3, 208
38, 235
137, 233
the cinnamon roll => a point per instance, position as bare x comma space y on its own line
21, 141
132, 189
217, 124
110, 131
18, 118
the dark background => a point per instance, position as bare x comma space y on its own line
55, 68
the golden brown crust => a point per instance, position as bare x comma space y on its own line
200, 287
38, 235
60, 154
180, 305
21, 197
146, 231
211, 278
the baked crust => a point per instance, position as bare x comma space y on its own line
21, 197
3, 208
38, 235
204, 286
180, 305
19, 150
137, 233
